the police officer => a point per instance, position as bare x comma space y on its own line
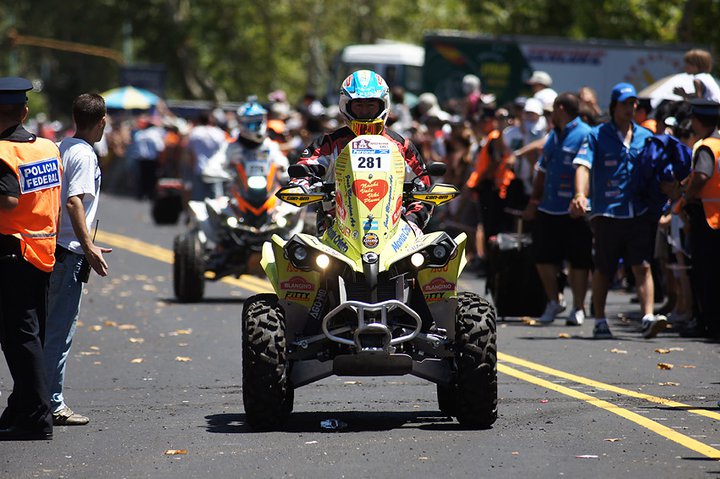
30, 174
702, 205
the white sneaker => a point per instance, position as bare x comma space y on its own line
654, 325
552, 309
576, 317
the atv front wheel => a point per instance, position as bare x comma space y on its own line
475, 385
188, 268
267, 393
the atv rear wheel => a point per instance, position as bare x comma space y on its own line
188, 268
267, 392
475, 385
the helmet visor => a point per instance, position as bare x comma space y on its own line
371, 127
365, 108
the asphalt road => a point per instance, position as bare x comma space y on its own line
155, 375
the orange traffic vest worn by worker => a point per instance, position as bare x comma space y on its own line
35, 219
710, 193
503, 174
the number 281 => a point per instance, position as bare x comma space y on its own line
369, 162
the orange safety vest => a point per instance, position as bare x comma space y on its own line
710, 193
503, 174
650, 124
35, 219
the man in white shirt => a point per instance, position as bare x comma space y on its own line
75, 252
204, 142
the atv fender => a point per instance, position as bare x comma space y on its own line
439, 287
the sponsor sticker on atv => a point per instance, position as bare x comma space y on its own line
370, 240
297, 283
436, 289
370, 192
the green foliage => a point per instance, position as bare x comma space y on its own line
228, 49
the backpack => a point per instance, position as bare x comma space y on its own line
664, 158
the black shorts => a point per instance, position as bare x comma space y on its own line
559, 237
632, 239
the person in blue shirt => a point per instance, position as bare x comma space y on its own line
557, 236
606, 170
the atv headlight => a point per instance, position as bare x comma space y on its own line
232, 222
417, 259
322, 260
299, 253
281, 221
257, 182
439, 252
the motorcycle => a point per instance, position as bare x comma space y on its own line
370, 297
227, 233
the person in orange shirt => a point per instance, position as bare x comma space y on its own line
30, 176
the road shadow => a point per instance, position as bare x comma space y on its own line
350, 421
215, 300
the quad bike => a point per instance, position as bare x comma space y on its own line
227, 233
368, 298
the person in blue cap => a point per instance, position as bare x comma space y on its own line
605, 179
30, 181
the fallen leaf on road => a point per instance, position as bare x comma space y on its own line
182, 344
119, 306
423, 458
688, 366
669, 383
175, 452
180, 331
515, 453
618, 351
677, 349
137, 360
587, 456
110, 324
95, 327
662, 351
352, 382
125, 327
564, 335
89, 353
137, 340
149, 287
80, 324
544, 401
613, 439
665, 366
183, 359
94, 348
311, 442
97, 363
529, 321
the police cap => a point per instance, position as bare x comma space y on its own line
12, 90
705, 108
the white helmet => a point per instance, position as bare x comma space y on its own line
252, 121
365, 85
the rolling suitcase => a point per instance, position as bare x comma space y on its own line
512, 279
168, 202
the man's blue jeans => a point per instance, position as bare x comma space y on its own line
63, 308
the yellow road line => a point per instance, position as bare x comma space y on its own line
246, 282
607, 387
653, 426
253, 284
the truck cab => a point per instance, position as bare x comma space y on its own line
400, 64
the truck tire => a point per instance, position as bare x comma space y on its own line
188, 268
267, 392
475, 384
